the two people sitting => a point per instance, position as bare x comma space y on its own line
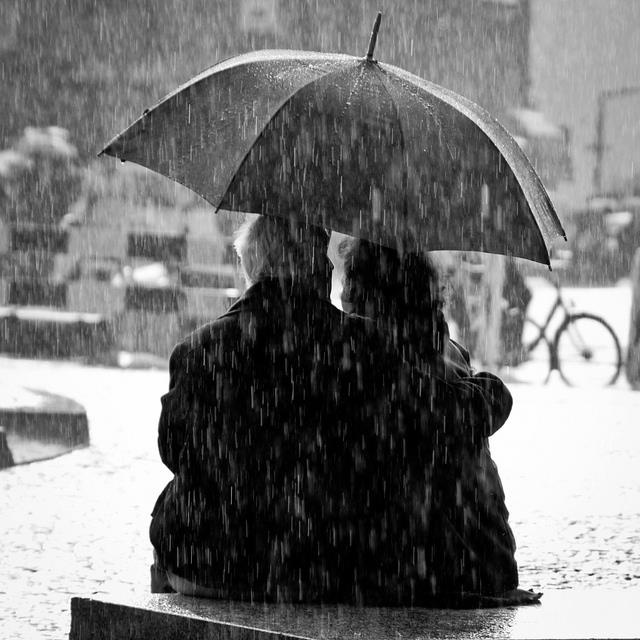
320, 456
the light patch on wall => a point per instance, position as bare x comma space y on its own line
259, 16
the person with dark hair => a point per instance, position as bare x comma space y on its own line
402, 296
469, 540
246, 405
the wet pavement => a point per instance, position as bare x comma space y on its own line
77, 525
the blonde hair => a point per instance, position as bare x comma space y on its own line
275, 247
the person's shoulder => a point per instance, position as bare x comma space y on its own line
356, 323
373, 344
360, 331
204, 336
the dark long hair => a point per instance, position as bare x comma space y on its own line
400, 292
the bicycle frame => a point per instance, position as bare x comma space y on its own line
559, 303
568, 327
542, 328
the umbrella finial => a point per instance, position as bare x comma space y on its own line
374, 36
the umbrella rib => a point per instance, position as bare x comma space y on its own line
476, 113
232, 62
405, 177
282, 105
356, 84
470, 109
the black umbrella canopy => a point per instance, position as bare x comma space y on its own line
351, 144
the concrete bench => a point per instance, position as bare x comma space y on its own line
38, 425
592, 613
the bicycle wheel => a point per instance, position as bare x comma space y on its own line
588, 351
534, 363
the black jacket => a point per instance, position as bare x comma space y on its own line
303, 454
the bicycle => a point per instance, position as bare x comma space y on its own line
584, 349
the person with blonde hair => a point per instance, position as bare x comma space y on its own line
281, 249
251, 428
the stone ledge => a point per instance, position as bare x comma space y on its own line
40, 425
97, 620
594, 613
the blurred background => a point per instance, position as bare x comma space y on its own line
108, 265
149, 259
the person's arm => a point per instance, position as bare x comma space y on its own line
174, 417
461, 411
487, 399
490, 400
489, 396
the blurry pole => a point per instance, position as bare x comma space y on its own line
4, 238
599, 146
489, 348
633, 354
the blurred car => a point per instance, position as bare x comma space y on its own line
602, 241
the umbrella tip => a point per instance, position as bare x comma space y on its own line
374, 36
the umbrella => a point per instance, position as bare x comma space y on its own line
351, 144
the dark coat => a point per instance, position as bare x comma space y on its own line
469, 509
303, 453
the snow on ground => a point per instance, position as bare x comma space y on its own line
568, 460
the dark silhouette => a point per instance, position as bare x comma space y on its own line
260, 429
303, 446
471, 543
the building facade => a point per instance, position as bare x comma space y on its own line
91, 68
585, 75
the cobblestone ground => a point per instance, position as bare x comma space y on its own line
77, 525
